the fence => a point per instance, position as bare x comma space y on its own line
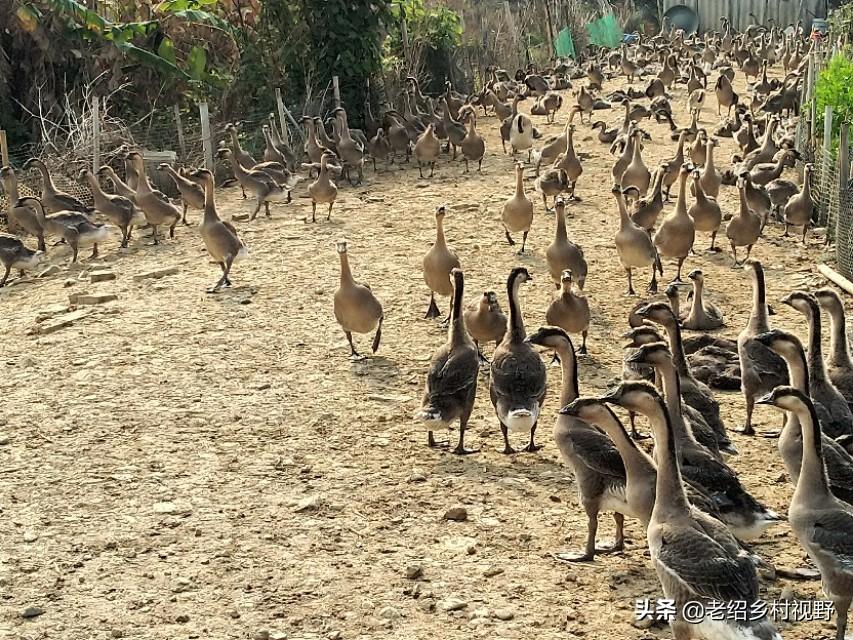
830, 155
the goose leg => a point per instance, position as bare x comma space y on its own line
630, 291
431, 442
619, 542
5, 275
805, 231
94, 253
531, 447
172, 230
184, 218
329, 215
125, 234
653, 285
313, 211
713, 248
466, 165
582, 351
420, 170
377, 336
509, 238
480, 166
786, 234
432, 310
267, 207
747, 429
432, 167
507, 449
257, 208
677, 279
523, 242
460, 449
734, 255
841, 607
243, 189
591, 530
154, 235
42, 246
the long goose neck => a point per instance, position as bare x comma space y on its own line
698, 303
440, 240
812, 482
569, 386
815, 353
709, 158
210, 213
681, 201
142, 185
346, 273
49, 187
39, 209
670, 500
838, 339
516, 322
458, 334
95, 187
624, 218
10, 184
519, 184
561, 233
672, 393
673, 332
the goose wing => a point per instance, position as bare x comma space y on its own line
598, 452
70, 202
704, 566
453, 370
831, 534
518, 372
122, 203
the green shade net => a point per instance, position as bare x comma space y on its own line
564, 45
604, 32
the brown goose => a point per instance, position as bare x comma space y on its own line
485, 321
438, 263
14, 254
695, 556
52, 198
357, 309
451, 385
517, 385
20, 218
562, 253
839, 366
569, 311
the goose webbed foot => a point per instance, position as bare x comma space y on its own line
433, 444
531, 446
432, 310
460, 449
509, 239
507, 450
574, 556
745, 430
771, 434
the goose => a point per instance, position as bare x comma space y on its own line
521, 135
744, 229
157, 211
703, 316
605, 135
438, 263
822, 523
593, 458
456, 131
629, 68
839, 366
564, 254
745, 516
733, 125
764, 172
485, 321
323, 136
350, 151
473, 145
745, 136
395, 132
259, 182
569, 311
517, 214
674, 166
131, 175
271, 152
192, 193
507, 123
570, 163
553, 148
839, 463
711, 178
780, 191
694, 393
756, 199
801, 207
726, 96
695, 101
636, 174
547, 106
118, 210
552, 182
699, 149
284, 149
20, 217
14, 254
517, 384
586, 103
694, 555
637, 336
822, 389
357, 309
645, 211
426, 150
768, 149
451, 385
72, 226
219, 236
52, 199
705, 212
640, 469
323, 190
634, 246
677, 232
239, 154
119, 186
761, 369
378, 148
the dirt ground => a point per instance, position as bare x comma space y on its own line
181, 465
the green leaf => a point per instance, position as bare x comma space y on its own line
28, 15
152, 60
196, 62
166, 50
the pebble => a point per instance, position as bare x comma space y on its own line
30, 536
414, 571
32, 612
278, 635
311, 503
504, 614
453, 604
182, 619
4, 440
101, 276
234, 614
457, 514
493, 571
165, 507
261, 635
389, 613
117, 633
50, 271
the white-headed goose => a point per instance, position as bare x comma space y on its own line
220, 237
839, 463
357, 308
53, 199
451, 385
438, 263
839, 366
72, 226
695, 556
517, 385
119, 210
822, 389
591, 455
14, 254
822, 523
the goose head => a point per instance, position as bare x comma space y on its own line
440, 212
696, 275
828, 298
654, 353
590, 410
785, 398
550, 338
783, 343
803, 302
341, 246
202, 175
636, 396
658, 312
638, 336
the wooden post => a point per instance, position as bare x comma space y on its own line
404, 34
4, 148
285, 132
96, 134
336, 91
844, 156
510, 20
182, 143
205, 135
552, 53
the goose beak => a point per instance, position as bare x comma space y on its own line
635, 358
766, 399
570, 409
643, 311
787, 300
613, 396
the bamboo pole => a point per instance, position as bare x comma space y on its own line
836, 278
96, 134
4, 148
182, 143
285, 132
336, 91
206, 140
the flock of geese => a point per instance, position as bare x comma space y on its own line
697, 513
